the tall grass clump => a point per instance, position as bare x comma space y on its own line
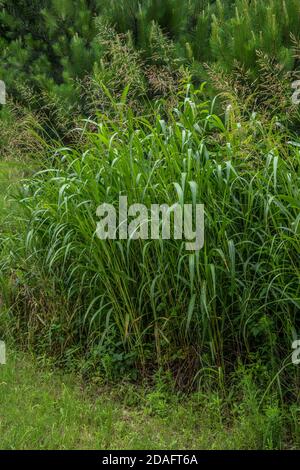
144, 305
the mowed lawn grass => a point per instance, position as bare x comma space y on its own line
45, 409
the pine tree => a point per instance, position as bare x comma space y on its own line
48, 44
